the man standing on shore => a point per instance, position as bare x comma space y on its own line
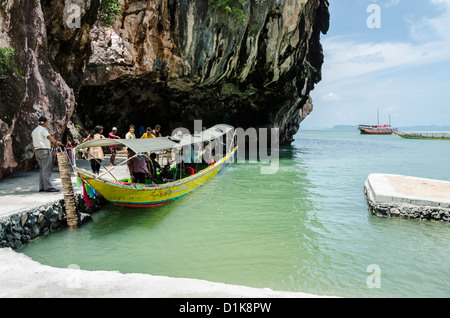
42, 143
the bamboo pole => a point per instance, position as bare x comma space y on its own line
69, 196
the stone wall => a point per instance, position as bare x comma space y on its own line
22, 227
404, 210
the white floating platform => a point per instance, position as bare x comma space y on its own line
397, 195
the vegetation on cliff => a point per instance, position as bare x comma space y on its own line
230, 7
8, 61
108, 11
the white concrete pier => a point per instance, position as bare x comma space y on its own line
397, 195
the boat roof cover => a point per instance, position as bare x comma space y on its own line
160, 143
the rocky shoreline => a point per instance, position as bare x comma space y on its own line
24, 226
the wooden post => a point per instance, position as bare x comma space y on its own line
69, 196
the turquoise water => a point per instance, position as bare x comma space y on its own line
306, 228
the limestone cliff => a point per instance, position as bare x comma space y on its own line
39, 91
162, 62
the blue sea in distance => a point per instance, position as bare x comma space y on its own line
305, 228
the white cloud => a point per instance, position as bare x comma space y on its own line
399, 77
435, 28
391, 3
331, 97
346, 58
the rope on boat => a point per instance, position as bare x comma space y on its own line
109, 171
99, 162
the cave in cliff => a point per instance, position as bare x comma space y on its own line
163, 62
146, 101
176, 62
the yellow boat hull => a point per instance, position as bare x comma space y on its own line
436, 136
138, 195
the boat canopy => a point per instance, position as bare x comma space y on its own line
161, 143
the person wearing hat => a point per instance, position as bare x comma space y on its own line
113, 149
42, 141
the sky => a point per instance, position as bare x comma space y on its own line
386, 56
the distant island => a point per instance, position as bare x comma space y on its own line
344, 127
406, 128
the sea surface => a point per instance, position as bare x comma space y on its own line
305, 228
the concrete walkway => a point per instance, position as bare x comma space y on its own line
20, 276
20, 191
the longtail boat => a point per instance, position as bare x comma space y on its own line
157, 192
437, 135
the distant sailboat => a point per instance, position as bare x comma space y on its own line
377, 129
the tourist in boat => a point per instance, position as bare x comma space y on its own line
154, 166
130, 134
166, 175
95, 154
148, 134
113, 149
156, 131
42, 141
139, 167
189, 170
